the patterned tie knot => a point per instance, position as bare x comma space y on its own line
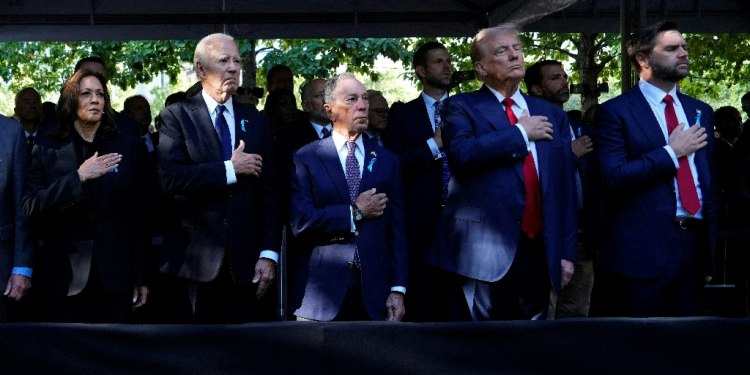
668, 99
350, 146
219, 109
325, 132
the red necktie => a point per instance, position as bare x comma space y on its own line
685, 184
532, 213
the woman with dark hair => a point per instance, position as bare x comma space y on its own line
85, 200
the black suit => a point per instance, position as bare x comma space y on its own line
126, 125
216, 226
407, 132
95, 233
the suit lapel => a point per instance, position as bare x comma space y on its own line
370, 169
641, 111
66, 157
488, 105
421, 118
542, 147
109, 180
330, 159
700, 160
198, 112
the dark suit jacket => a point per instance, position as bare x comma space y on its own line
406, 135
126, 124
638, 176
481, 223
321, 219
16, 247
114, 232
213, 219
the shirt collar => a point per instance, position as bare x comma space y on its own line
655, 95
211, 103
429, 101
319, 128
517, 97
340, 141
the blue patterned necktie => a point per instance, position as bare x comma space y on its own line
326, 133
222, 128
446, 169
353, 180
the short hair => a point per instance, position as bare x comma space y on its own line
94, 59
745, 97
18, 95
644, 40
476, 52
535, 73
205, 46
372, 94
129, 102
273, 71
303, 94
67, 107
724, 117
420, 56
330, 90
174, 98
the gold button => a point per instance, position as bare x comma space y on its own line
356, 233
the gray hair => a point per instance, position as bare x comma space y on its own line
206, 46
330, 90
505, 28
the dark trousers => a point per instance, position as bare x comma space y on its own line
353, 307
522, 294
94, 304
675, 292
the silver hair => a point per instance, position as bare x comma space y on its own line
205, 46
505, 28
330, 90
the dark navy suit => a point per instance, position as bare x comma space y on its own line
321, 219
638, 176
480, 228
408, 130
16, 247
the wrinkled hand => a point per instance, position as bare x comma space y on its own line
395, 307
686, 142
567, 271
140, 294
438, 137
97, 166
265, 272
246, 164
371, 204
582, 146
536, 127
17, 286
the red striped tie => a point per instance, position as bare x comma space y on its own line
685, 183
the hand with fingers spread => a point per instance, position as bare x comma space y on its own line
371, 204
244, 163
265, 272
688, 141
536, 127
97, 166
582, 146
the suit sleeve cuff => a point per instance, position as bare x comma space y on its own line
399, 289
270, 254
672, 155
525, 136
24, 271
231, 176
434, 148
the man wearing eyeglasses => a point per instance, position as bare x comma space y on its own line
377, 119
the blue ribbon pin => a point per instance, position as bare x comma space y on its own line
242, 124
369, 167
698, 117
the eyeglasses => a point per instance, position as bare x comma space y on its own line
382, 112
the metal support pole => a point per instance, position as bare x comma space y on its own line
282, 277
632, 17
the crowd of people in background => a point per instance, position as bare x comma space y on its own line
487, 205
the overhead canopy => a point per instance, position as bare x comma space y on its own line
35, 20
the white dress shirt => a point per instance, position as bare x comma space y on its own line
319, 128
518, 107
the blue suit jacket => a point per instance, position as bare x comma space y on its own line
321, 219
16, 248
406, 135
212, 218
481, 223
638, 174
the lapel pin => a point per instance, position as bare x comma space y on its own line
372, 161
698, 116
242, 124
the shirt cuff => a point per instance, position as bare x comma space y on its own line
24, 271
270, 254
351, 217
434, 148
399, 289
672, 155
525, 137
231, 176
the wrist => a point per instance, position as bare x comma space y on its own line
356, 213
80, 176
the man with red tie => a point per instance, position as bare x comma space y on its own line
508, 229
655, 152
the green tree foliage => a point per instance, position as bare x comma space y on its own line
717, 62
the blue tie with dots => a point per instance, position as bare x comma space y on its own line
222, 128
353, 180
446, 169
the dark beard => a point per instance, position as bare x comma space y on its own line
438, 83
561, 96
667, 73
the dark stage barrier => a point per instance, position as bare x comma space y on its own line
579, 346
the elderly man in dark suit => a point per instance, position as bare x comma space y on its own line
351, 263
509, 225
216, 160
655, 149
16, 248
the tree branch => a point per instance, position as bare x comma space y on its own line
558, 49
604, 63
